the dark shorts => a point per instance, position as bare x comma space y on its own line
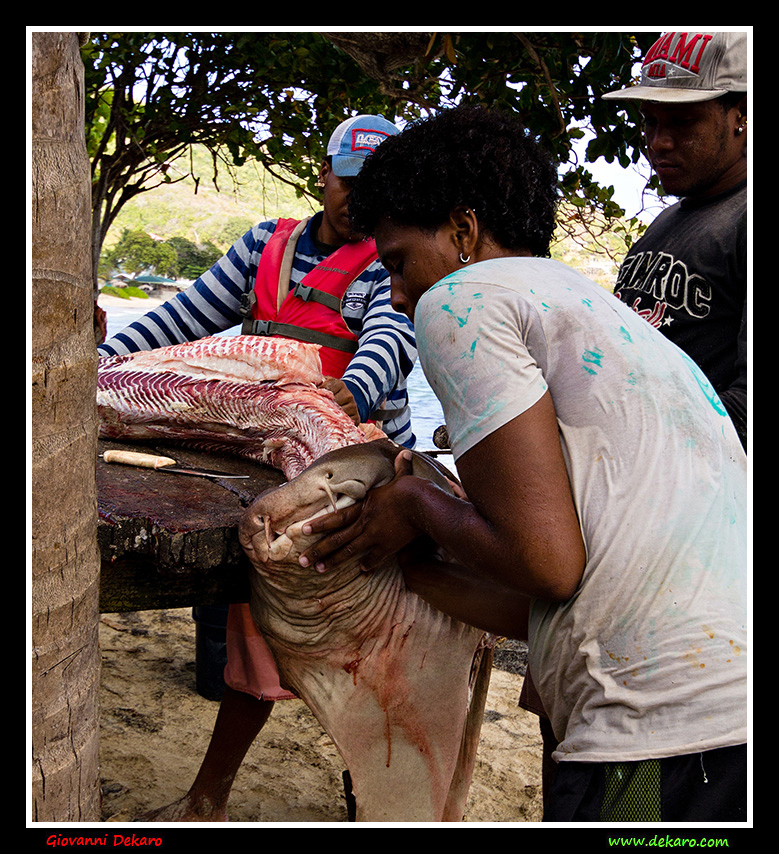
709, 786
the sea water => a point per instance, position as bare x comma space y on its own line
426, 413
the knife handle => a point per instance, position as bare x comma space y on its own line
135, 458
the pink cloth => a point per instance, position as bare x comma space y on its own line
250, 664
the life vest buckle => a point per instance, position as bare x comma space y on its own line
256, 327
307, 293
248, 299
304, 292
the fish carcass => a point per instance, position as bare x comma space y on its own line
252, 396
399, 686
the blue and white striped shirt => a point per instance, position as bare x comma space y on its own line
387, 348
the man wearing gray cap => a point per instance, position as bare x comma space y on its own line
687, 274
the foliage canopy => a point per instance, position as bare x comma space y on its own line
274, 98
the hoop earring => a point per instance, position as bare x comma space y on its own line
464, 260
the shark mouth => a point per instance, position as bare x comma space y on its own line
281, 542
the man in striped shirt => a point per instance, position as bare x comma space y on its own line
376, 376
372, 386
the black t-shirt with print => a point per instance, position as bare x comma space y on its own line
687, 276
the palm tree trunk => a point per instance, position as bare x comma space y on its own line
65, 560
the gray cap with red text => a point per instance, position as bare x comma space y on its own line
689, 67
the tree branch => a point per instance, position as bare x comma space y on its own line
547, 76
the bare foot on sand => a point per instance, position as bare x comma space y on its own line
185, 809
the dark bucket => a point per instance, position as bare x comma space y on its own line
210, 649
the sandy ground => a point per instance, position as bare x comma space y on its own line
155, 728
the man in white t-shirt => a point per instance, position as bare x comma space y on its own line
635, 628
606, 484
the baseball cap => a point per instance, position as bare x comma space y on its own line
354, 139
689, 67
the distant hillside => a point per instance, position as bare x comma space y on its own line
200, 214
250, 195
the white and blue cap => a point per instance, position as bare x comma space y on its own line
687, 67
354, 139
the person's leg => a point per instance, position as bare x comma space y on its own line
575, 793
706, 787
239, 721
702, 787
548, 765
250, 673
604, 792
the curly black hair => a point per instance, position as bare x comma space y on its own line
471, 156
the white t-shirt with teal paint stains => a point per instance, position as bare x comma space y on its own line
648, 658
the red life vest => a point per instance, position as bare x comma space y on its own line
311, 311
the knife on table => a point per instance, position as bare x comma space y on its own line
159, 463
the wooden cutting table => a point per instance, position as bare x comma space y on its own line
171, 540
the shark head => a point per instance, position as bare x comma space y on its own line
273, 524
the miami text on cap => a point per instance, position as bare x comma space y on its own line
689, 67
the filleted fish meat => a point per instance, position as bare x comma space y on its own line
255, 397
240, 357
